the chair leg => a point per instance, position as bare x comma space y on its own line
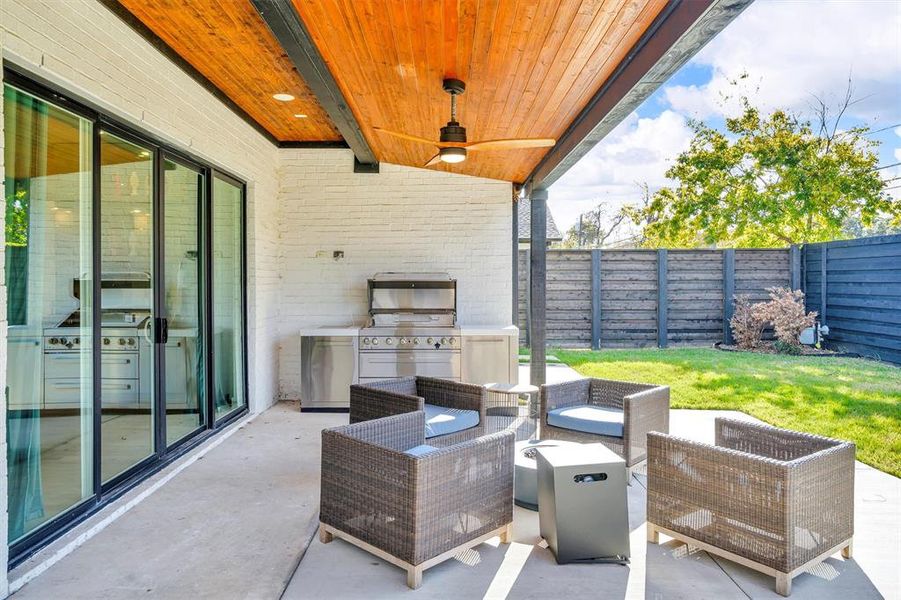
414, 577
653, 534
507, 534
847, 551
783, 584
324, 536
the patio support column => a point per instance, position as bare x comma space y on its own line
515, 232
537, 282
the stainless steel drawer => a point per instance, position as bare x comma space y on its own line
430, 363
113, 365
117, 392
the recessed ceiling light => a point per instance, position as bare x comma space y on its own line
301, 116
283, 97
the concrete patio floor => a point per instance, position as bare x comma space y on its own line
235, 525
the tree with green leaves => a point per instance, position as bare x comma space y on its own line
769, 181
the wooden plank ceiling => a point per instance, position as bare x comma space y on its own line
530, 66
229, 44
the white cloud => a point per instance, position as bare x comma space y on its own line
795, 50
638, 150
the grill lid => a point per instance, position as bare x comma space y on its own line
413, 299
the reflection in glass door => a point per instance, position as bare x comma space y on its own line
183, 192
126, 302
228, 296
48, 237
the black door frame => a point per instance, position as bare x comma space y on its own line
38, 86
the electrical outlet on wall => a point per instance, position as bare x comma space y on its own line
338, 254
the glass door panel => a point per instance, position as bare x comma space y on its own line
183, 192
227, 296
126, 247
48, 238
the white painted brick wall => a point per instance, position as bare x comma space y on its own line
401, 219
83, 47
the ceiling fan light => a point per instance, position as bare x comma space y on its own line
452, 155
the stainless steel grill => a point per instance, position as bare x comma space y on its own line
413, 327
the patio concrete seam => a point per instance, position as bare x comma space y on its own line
120, 511
716, 560
310, 535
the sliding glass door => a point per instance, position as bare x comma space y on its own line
127, 407
124, 273
184, 194
48, 251
227, 295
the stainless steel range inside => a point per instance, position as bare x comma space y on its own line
125, 349
413, 327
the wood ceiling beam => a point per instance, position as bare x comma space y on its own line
292, 34
677, 34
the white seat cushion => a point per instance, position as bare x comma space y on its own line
588, 418
442, 421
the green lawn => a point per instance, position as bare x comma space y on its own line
846, 398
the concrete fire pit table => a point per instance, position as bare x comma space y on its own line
525, 473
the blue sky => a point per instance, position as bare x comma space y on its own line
792, 51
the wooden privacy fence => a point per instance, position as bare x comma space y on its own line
855, 285
642, 298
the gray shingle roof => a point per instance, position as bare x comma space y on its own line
525, 223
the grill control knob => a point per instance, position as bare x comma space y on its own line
416, 340
429, 341
63, 341
452, 341
77, 340
389, 341
121, 341
54, 341
106, 341
366, 340
131, 341
375, 341
443, 341
404, 340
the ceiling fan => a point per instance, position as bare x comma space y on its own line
452, 145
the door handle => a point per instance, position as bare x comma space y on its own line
160, 330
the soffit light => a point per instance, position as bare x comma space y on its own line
301, 116
282, 97
452, 155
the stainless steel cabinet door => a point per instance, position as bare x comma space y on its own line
486, 359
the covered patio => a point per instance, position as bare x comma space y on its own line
154, 548
309, 148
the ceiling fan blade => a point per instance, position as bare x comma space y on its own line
433, 161
406, 136
511, 144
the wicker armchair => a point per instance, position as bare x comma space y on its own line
407, 394
773, 500
645, 408
414, 511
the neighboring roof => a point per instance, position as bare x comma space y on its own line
525, 223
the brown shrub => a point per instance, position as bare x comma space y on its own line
786, 312
747, 323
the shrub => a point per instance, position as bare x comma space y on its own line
747, 323
785, 311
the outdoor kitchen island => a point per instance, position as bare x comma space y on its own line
412, 329
330, 361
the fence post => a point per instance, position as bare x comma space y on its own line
661, 299
824, 256
596, 299
728, 293
794, 261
